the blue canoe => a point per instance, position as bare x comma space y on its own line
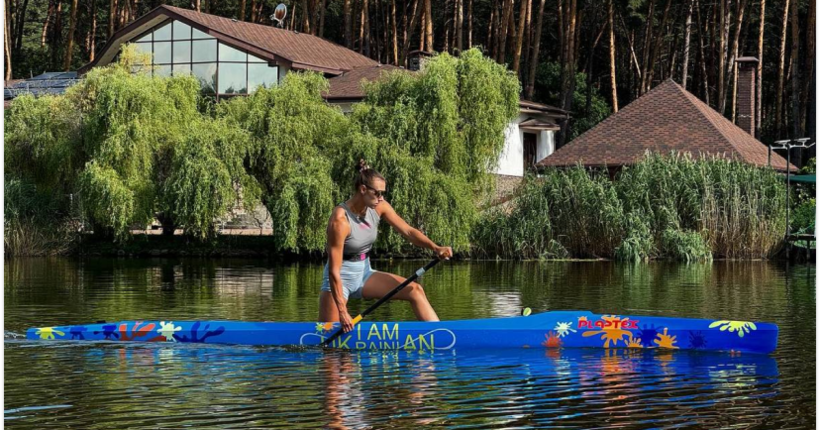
556, 329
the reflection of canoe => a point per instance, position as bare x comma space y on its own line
546, 330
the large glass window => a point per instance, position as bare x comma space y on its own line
232, 78
181, 31
162, 52
221, 69
206, 73
182, 69
252, 59
226, 53
162, 33
199, 35
162, 70
261, 74
182, 52
204, 50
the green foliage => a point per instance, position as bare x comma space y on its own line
548, 90
803, 216
438, 132
686, 246
663, 206
292, 131
206, 177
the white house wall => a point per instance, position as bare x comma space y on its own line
511, 160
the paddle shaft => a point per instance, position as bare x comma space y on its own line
386, 297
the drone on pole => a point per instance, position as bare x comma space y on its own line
279, 14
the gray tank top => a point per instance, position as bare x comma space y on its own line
363, 232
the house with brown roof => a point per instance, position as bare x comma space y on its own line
670, 119
231, 58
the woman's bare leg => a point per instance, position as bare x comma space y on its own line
328, 312
381, 283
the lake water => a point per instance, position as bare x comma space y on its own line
74, 385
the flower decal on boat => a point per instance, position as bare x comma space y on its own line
47, 333
563, 328
664, 340
552, 340
741, 327
323, 327
168, 329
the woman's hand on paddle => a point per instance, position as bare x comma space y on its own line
444, 252
345, 320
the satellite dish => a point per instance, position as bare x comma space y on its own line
279, 14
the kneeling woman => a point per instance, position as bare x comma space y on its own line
352, 229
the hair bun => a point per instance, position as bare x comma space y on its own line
362, 165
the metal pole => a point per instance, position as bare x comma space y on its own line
788, 191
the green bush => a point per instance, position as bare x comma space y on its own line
671, 206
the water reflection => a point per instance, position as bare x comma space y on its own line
222, 386
139, 386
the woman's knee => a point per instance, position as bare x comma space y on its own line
415, 291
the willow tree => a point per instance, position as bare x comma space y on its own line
128, 120
440, 131
207, 177
292, 130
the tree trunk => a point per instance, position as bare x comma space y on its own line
469, 24
366, 26
647, 45
49, 14
72, 26
460, 25
20, 26
722, 54
112, 17
502, 33
536, 49
704, 75
797, 123
810, 51
519, 41
759, 85
411, 28
686, 37
656, 47
778, 112
428, 25
55, 38
612, 81
306, 17
253, 11
323, 5
741, 8
7, 42
93, 36
198, 5
242, 5
348, 24
395, 33
568, 81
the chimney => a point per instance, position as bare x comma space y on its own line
415, 59
746, 94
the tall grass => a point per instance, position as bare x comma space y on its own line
664, 206
34, 221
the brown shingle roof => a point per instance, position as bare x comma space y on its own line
349, 84
303, 51
667, 118
300, 48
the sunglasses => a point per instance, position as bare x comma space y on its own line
378, 193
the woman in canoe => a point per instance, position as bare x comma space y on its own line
351, 231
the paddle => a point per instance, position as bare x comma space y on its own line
383, 299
